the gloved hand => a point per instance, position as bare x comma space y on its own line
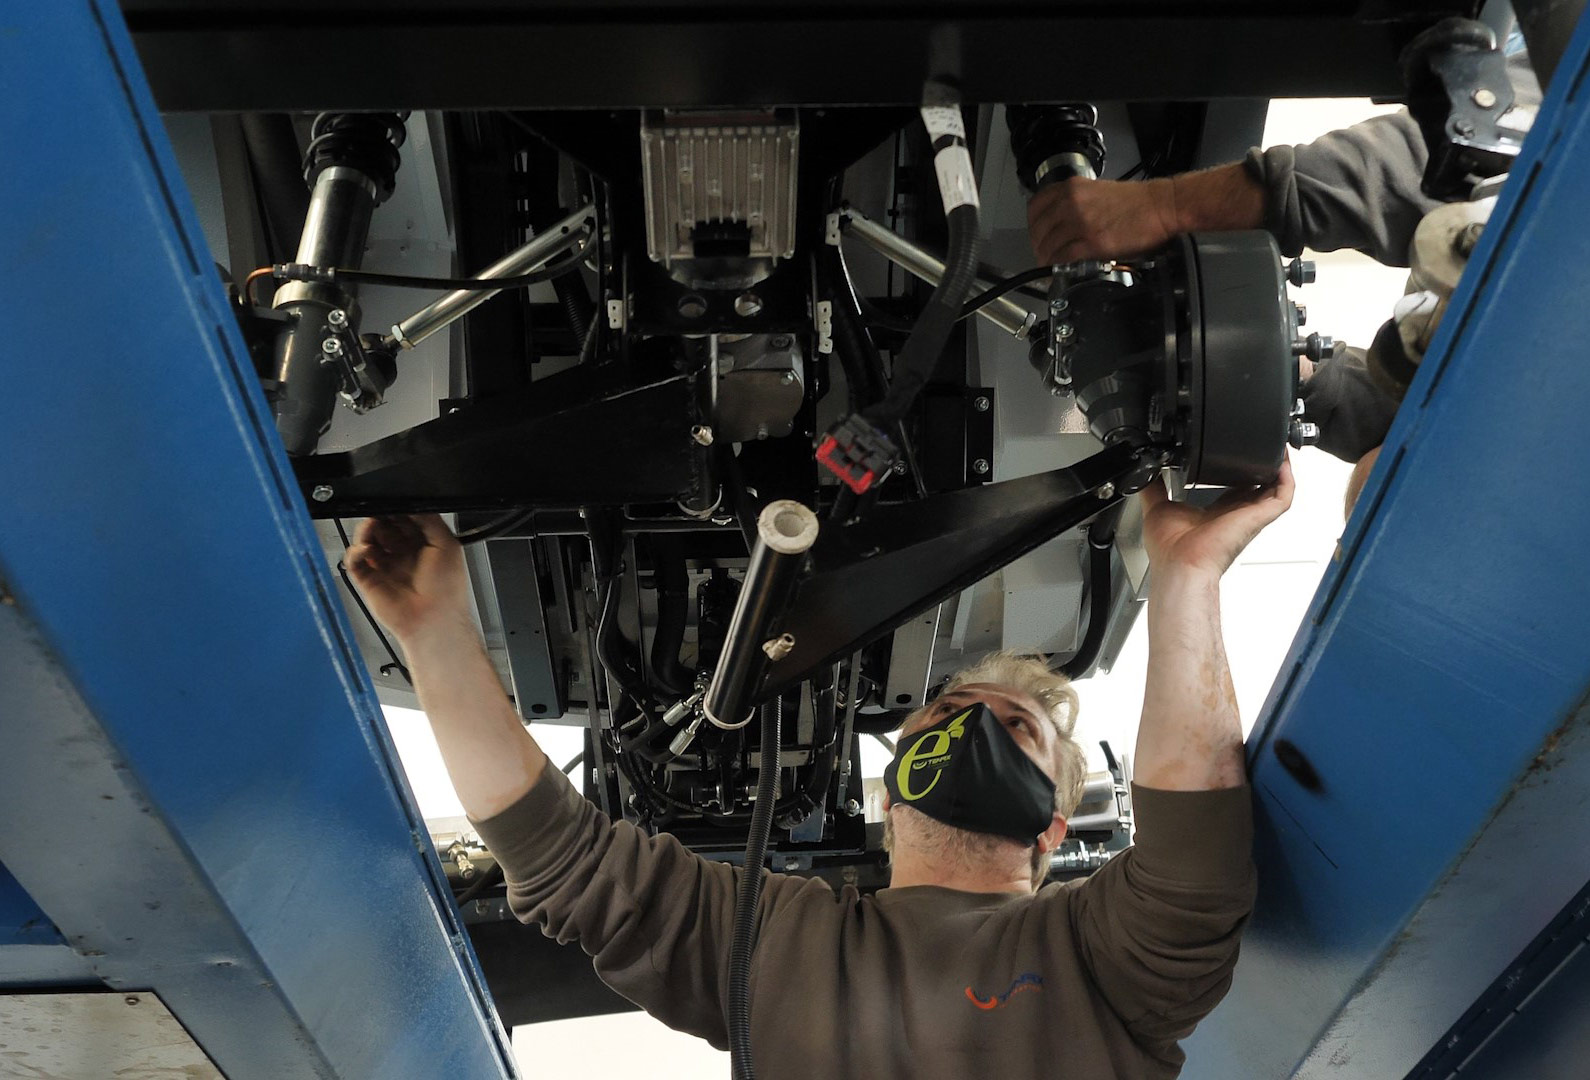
1351, 409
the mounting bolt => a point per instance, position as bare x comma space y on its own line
787, 378
1106, 490
898, 468
980, 404
702, 434
1065, 331
322, 493
337, 319
852, 807
791, 863
780, 341
131, 999
1484, 98
1301, 271
980, 466
1463, 127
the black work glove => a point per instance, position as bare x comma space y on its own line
1352, 411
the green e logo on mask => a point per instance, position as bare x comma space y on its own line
930, 751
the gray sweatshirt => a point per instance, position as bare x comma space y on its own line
1097, 978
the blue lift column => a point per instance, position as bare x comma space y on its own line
1422, 769
198, 797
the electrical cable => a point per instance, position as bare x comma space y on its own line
1015, 281
479, 885
359, 600
496, 527
743, 944
332, 274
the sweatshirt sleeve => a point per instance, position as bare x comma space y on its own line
1353, 188
655, 918
1158, 925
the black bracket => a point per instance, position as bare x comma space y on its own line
869, 576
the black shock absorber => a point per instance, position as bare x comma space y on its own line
1053, 142
350, 166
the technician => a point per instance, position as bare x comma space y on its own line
1354, 188
967, 964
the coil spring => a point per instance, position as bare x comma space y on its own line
1039, 132
366, 141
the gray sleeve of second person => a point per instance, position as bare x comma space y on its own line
1353, 188
655, 918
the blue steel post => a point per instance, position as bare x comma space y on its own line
1438, 687
196, 786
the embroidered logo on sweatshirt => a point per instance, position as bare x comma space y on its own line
1027, 980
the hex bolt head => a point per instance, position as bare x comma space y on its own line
852, 807
322, 493
980, 466
1301, 272
1106, 490
1485, 99
1302, 433
791, 863
980, 404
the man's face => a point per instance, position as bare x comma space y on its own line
1024, 718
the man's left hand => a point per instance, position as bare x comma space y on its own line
1189, 538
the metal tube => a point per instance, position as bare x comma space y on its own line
1004, 312
786, 531
455, 305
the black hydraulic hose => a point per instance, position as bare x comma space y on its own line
1009, 284
941, 113
1101, 554
673, 611
743, 943
920, 356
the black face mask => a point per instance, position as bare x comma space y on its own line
968, 772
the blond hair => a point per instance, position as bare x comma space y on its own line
1030, 675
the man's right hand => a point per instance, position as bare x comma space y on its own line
410, 570
1117, 219
1100, 219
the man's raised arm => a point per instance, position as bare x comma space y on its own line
1190, 738
411, 572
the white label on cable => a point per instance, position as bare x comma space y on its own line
957, 182
943, 120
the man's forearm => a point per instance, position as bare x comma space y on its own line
1190, 738
1225, 197
490, 757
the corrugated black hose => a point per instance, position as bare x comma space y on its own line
743, 944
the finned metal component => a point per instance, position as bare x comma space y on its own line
1004, 312
720, 193
455, 305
